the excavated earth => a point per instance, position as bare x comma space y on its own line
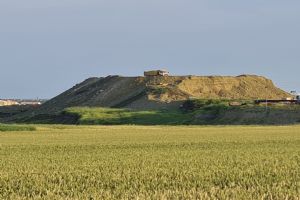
146, 93
161, 92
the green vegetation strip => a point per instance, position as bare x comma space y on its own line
8, 127
192, 112
138, 162
114, 116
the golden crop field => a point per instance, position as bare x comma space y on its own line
151, 162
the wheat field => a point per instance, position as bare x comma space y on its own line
151, 162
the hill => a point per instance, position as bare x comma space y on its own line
149, 94
161, 92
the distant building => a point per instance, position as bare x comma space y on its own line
156, 73
19, 102
8, 102
296, 95
30, 103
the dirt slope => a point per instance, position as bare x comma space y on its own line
241, 87
104, 92
158, 92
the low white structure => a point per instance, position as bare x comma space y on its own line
32, 103
296, 95
8, 103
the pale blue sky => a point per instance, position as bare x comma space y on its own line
47, 46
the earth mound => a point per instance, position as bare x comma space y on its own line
161, 92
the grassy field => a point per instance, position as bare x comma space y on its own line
5, 127
198, 112
119, 116
191, 112
161, 162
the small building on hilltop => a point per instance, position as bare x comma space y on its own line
157, 73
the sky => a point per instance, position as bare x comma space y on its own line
48, 46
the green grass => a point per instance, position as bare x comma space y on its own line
161, 162
114, 116
199, 112
8, 127
192, 112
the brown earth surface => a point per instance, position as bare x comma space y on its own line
148, 93
161, 92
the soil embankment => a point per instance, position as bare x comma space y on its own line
154, 93
157, 92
